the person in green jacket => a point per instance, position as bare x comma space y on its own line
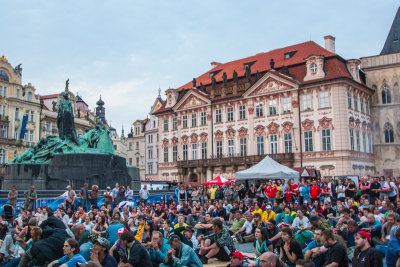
158, 248
180, 254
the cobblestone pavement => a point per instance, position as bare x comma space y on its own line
245, 247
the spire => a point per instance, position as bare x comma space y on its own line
392, 44
159, 91
122, 132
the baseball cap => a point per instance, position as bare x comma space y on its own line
237, 254
108, 187
268, 207
296, 202
121, 231
68, 186
365, 234
173, 238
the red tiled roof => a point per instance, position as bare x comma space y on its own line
262, 62
49, 96
45, 108
142, 121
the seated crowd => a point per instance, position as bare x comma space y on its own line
326, 222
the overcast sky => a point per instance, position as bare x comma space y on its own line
125, 50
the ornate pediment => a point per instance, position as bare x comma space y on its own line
273, 128
219, 135
230, 133
259, 130
191, 102
325, 123
242, 132
203, 137
308, 125
165, 142
271, 83
185, 139
174, 140
287, 126
193, 138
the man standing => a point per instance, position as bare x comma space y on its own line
337, 253
270, 192
144, 194
12, 197
315, 191
94, 193
115, 192
69, 198
84, 195
108, 197
30, 197
365, 255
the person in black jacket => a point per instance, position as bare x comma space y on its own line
136, 254
51, 221
365, 255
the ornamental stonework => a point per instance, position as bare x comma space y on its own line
165, 142
251, 110
193, 138
287, 127
273, 128
259, 130
230, 133
203, 137
308, 125
219, 135
242, 132
185, 139
174, 141
325, 123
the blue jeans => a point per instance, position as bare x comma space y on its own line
13, 263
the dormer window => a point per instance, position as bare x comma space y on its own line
170, 99
313, 68
289, 55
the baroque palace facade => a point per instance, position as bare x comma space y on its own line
303, 105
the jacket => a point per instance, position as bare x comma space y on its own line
186, 257
159, 257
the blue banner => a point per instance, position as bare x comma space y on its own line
19, 205
23, 127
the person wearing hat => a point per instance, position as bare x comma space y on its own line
180, 254
158, 248
69, 197
185, 233
268, 214
365, 255
237, 260
100, 253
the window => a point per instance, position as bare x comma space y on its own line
203, 118
165, 125
5, 91
3, 131
137, 145
349, 99
260, 145
288, 142
218, 116
150, 152
16, 113
323, 99
165, 154
313, 68
306, 102
185, 152
32, 116
243, 147
150, 139
29, 97
18, 92
31, 136
286, 105
175, 153
308, 141
194, 119
4, 111
16, 133
259, 110
389, 136
230, 113
130, 161
326, 140
386, 95
274, 143
194, 151
184, 121
362, 104
370, 142
272, 107
137, 162
231, 147
242, 112
204, 150
358, 141
130, 143
367, 106
364, 136
2, 156
149, 168
351, 139
175, 124
355, 102
157, 153
219, 149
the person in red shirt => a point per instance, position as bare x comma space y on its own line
315, 191
291, 191
270, 192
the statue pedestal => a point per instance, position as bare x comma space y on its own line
72, 169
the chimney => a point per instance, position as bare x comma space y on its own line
330, 43
214, 64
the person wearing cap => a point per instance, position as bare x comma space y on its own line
365, 255
135, 254
69, 197
237, 260
180, 254
158, 248
268, 214
100, 253
30, 197
185, 233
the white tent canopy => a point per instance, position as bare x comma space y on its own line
267, 169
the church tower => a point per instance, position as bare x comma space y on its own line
101, 111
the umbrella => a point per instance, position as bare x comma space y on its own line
217, 180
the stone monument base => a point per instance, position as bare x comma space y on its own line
72, 169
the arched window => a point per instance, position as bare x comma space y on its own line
2, 156
4, 76
389, 137
386, 95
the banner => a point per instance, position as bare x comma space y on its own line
23, 127
19, 205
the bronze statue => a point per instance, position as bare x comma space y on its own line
235, 76
225, 79
65, 119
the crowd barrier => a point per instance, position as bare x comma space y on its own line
53, 203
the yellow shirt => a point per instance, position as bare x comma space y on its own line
212, 192
278, 194
139, 232
259, 211
177, 225
268, 216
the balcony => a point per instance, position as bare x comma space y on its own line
284, 158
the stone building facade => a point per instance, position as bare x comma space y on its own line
303, 105
383, 75
136, 146
17, 102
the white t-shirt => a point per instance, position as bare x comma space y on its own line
393, 192
340, 188
300, 224
248, 226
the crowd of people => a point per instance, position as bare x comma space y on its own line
320, 222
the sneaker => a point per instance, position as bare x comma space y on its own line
239, 238
204, 259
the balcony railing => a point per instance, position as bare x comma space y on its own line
226, 160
